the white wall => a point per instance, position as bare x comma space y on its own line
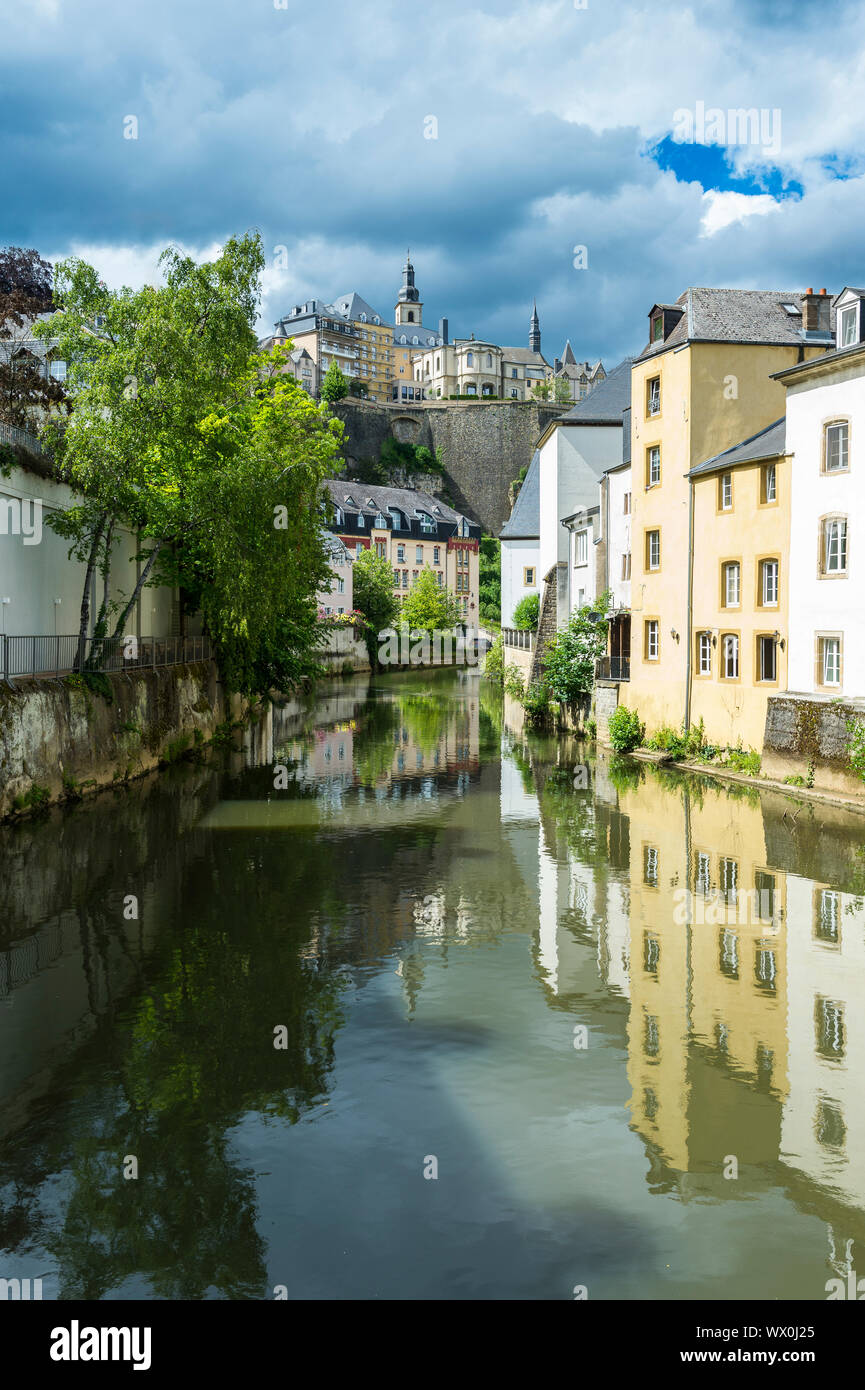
517, 556
571, 463
826, 605
32, 576
583, 578
618, 536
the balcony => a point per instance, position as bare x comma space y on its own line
613, 668
521, 638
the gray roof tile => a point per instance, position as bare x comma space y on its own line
768, 443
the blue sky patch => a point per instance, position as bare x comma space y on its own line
709, 166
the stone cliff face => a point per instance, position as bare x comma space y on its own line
484, 445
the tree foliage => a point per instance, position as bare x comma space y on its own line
429, 608
207, 450
26, 392
335, 386
372, 580
527, 613
569, 661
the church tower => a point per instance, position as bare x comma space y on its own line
408, 308
534, 329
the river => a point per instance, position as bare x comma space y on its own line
393, 1000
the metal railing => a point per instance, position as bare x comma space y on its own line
59, 656
613, 668
523, 638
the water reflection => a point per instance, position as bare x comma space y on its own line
275, 994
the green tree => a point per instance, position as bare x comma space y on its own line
335, 386
542, 390
427, 607
569, 661
372, 581
489, 580
527, 612
356, 387
562, 391
207, 450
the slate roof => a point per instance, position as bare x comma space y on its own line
606, 401
524, 522
769, 443
371, 498
352, 305
524, 355
733, 316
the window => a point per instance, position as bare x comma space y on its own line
581, 547
441, 578
653, 466
381, 521
829, 1027
340, 586
396, 579
489, 359
702, 874
764, 893
827, 916
361, 521
731, 586
57, 369
381, 549
653, 396
847, 326
653, 550
835, 441
829, 660
418, 554
529, 576
730, 657
626, 507
405, 579
651, 950
657, 328
626, 565
400, 553
769, 583
767, 665
337, 515
834, 547
725, 492
653, 640
470, 359
728, 875
704, 653
650, 865
436, 551
414, 576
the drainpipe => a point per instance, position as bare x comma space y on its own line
688, 657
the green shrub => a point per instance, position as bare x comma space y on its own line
33, 799
569, 662
527, 613
591, 728
514, 683
536, 703
740, 761
856, 749
494, 665
626, 730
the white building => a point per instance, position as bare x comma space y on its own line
575, 452
825, 422
520, 553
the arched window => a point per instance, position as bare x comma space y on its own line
403, 338
411, 316
489, 359
415, 340
337, 515
438, 364
362, 317
470, 359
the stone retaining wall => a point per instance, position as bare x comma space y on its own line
806, 736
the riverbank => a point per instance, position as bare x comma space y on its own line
817, 795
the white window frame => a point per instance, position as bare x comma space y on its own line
726, 492
653, 549
769, 571
848, 315
730, 656
654, 465
835, 545
704, 659
732, 572
581, 548
653, 639
827, 643
842, 453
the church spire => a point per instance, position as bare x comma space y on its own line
534, 329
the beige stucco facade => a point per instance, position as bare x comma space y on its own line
710, 397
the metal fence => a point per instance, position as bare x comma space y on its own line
613, 668
519, 637
60, 656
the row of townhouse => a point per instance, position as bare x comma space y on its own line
717, 508
413, 531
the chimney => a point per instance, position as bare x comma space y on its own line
816, 312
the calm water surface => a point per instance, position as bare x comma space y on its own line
386, 967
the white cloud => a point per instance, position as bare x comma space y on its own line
722, 209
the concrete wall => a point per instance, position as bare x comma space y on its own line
344, 646
35, 569
517, 557
807, 736
51, 730
484, 444
617, 525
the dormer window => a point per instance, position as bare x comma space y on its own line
337, 515
848, 326
349, 501
361, 521
657, 328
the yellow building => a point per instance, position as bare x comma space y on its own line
373, 342
740, 585
702, 385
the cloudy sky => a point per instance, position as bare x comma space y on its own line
557, 126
